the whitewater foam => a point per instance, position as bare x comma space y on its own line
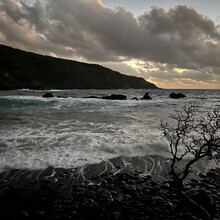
73, 131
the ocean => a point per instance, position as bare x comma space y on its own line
70, 132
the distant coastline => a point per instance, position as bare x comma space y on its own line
26, 70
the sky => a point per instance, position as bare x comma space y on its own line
172, 43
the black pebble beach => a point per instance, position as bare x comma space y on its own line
56, 193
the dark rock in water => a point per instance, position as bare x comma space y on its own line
63, 97
48, 95
115, 97
146, 96
135, 98
91, 97
176, 96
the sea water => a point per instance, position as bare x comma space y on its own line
69, 132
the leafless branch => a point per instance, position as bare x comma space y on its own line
194, 136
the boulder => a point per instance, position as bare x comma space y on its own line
205, 200
48, 95
176, 96
135, 98
63, 97
115, 97
146, 97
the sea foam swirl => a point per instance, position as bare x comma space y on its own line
73, 131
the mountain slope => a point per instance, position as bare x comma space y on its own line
20, 69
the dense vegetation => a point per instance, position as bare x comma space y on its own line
20, 69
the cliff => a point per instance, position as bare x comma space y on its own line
20, 69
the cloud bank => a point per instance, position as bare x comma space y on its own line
173, 48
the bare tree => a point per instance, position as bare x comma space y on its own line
191, 136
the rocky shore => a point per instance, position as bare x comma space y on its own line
57, 193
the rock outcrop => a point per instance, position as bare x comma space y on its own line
176, 95
146, 96
91, 97
47, 95
53, 193
134, 98
115, 97
20, 69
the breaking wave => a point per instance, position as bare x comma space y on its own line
74, 131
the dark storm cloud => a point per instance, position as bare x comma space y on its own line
18, 11
179, 37
182, 20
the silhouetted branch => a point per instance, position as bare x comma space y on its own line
191, 137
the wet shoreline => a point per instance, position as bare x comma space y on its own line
103, 191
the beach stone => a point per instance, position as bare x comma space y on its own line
189, 186
214, 197
116, 215
158, 199
65, 216
213, 175
24, 213
54, 217
48, 95
205, 200
104, 183
148, 209
190, 216
127, 176
119, 198
157, 210
146, 96
194, 181
165, 186
132, 195
128, 196
168, 206
202, 175
153, 183
8, 188
40, 213
109, 179
47, 172
105, 194
130, 188
176, 96
148, 177
113, 192
206, 181
46, 187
